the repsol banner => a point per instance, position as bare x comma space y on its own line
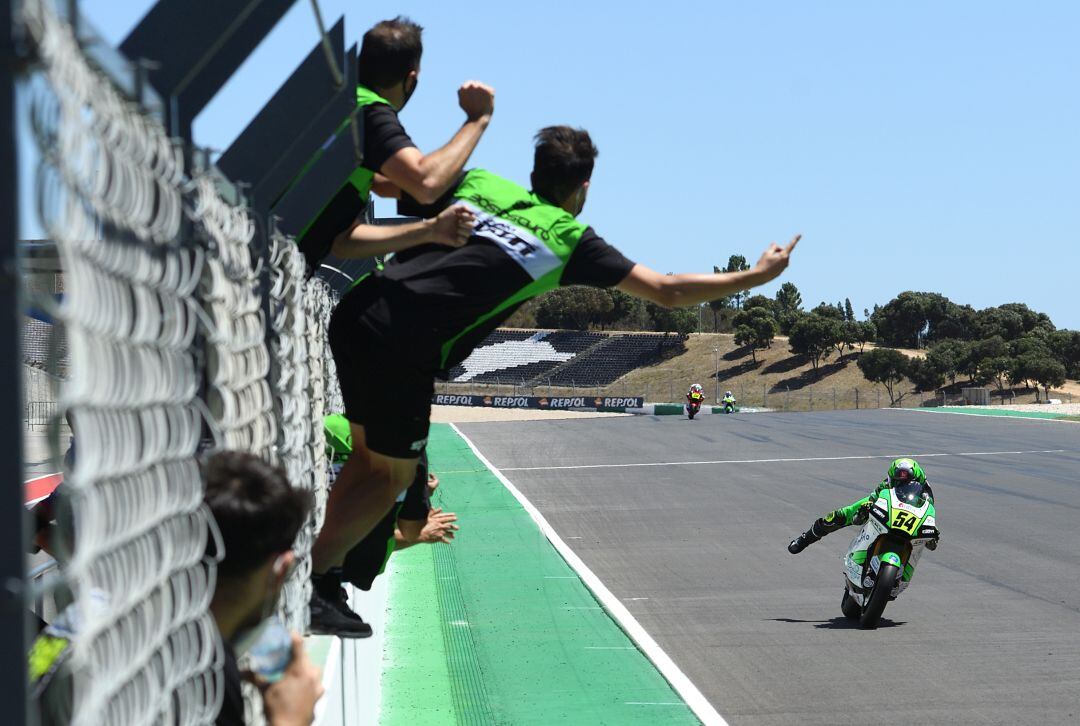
554, 403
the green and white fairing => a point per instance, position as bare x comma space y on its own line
900, 523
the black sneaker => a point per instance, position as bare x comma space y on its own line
330, 617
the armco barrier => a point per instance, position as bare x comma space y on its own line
617, 404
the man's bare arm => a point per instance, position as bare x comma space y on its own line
674, 291
451, 228
426, 177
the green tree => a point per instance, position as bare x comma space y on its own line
950, 357
901, 322
864, 332
737, 263
1045, 371
756, 328
682, 321
574, 308
1065, 345
925, 375
887, 367
999, 321
849, 312
813, 336
788, 306
997, 370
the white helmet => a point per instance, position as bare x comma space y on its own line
727, 393
696, 388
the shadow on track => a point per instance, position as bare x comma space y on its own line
839, 623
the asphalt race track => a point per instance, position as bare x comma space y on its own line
988, 632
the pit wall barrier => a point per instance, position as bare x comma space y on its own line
612, 404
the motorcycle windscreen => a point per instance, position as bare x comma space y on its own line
912, 493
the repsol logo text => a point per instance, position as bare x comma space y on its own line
574, 402
446, 399
622, 403
510, 401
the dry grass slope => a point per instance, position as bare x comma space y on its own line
778, 379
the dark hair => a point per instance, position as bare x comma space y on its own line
563, 161
390, 50
258, 512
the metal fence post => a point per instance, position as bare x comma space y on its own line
13, 602
834, 398
811, 399
787, 397
856, 399
879, 398
764, 395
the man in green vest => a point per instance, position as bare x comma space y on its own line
401, 327
388, 70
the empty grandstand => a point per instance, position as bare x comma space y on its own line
561, 357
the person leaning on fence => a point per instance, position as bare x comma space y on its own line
259, 515
388, 70
401, 327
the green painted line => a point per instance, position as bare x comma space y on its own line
523, 641
995, 412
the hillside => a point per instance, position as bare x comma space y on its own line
778, 379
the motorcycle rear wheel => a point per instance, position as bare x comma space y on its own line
875, 606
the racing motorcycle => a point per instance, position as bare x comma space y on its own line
729, 407
881, 560
692, 407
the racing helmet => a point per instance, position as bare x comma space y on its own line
727, 393
696, 388
903, 471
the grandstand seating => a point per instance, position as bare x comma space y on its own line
559, 358
517, 356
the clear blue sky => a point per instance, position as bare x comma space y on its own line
918, 145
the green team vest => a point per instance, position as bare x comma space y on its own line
361, 178
535, 234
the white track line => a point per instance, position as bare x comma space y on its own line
781, 460
678, 680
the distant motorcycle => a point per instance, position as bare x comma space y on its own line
729, 407
692, 407
881, 560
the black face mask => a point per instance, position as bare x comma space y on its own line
408, 93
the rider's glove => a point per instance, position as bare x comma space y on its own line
862, 515
932, 544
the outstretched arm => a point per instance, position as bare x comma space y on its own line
452, 228
674, 291
427, 176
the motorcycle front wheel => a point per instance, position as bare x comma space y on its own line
875, 606
849, 607
690, 412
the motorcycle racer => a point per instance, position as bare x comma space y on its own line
728, 398
696, 394
901, 471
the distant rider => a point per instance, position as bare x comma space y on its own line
695, 395
728, 398
901, 471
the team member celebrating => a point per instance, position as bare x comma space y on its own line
396, 330
388, 70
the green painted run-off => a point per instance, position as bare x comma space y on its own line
998, 412
497, 628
